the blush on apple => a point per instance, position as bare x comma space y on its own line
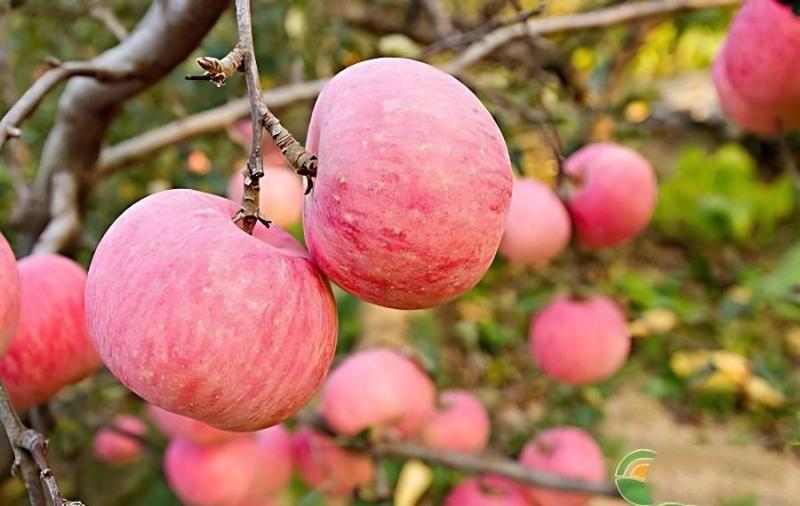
206, 321
460, 424
413, 184
9, 295
116, 448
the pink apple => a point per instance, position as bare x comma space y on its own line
9, 295
327, 467
537, 225
580, 342
51, 347
757, 71
115, 448
197, 432
281, 196
206, 321
377, 389
215, 475
413, 184
614, 193
567, 451
487, 491
461, 424
242, 133
274, 462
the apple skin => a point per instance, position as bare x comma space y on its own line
580, 342
487, 491
280, 198
325, 466
567, 451
461, 424
234, 330
215, 475
117, 449
757, 71
51, 347
377, 389
9, 294
614, 196
413, 184
178, 426
537, 225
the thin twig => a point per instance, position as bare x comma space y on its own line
27, 103
105, 15
29, 449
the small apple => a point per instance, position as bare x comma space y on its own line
178, 426
487, 491
328, 468
461, 424
280, 198
9, 295
115, 448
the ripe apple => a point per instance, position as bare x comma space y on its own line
206, 321
280, 198
114, 448
214, 475
377, 389
613, 195
174, 425
567, 451
487, 491
328, 468
9, 294
757, 71
51, 347
274, 464
537, 225
580, 341
413, 184
461, 424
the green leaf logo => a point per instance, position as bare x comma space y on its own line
631, 478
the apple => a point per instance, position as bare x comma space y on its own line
757, 71
9, 294
274, 463
280, 198
487, 491
242, 133
567, 451
115, 448
613, 193
413, 184
537, 225
580, 342
214, 475
201, 319
51, 347
377, 389
174, 425
325, 466
461, 424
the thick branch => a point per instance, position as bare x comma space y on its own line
28, 102
29, 448
623, 13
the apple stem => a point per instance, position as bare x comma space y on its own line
242, 58
29, 449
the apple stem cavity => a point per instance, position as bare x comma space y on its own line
242, 58
29, 449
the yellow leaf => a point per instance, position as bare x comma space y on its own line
414, 480
793, 342
759, 391
660, 320
732, 365
687, 363
397, 44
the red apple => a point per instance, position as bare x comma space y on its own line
281, 196
537, 225
51, 347
9, 295
487, 491
377, 389
206, 321
115, 448
580, 341
274, 463
197, 432
614, 193
461, 424
413, 184
215, 475
567, 451
328, 468
757, 71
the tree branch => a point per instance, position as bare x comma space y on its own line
105, 15
30, 100
29, 449
618, 14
